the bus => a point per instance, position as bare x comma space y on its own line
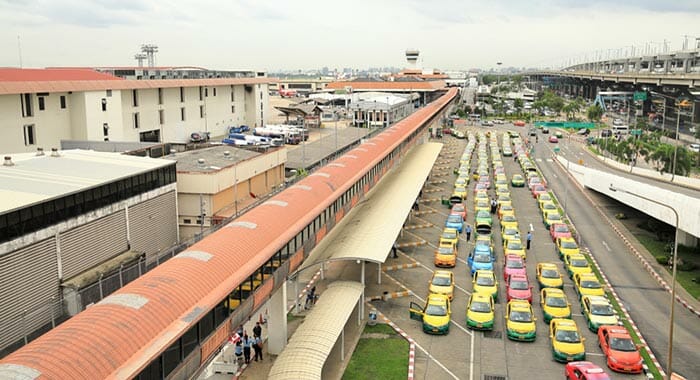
621, 129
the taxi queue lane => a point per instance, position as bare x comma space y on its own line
463, 353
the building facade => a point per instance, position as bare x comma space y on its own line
41, 107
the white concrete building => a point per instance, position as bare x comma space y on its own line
41, 107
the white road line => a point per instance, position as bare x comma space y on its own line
595, 354
538, 159
550, 160
471, 359
469, 332
531, 227
437, 362
606, 246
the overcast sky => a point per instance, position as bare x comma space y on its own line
302, 34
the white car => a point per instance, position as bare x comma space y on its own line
694, 147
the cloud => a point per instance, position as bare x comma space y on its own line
90, 14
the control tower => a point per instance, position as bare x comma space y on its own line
412, 58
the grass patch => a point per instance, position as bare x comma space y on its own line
291, 317
379, 358
689, 280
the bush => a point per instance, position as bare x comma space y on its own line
620, 216
662, 259
686, 266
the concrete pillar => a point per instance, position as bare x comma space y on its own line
277, 322
687, 239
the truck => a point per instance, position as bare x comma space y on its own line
290, 137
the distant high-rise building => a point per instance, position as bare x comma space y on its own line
412, 58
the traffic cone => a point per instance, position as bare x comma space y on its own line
260, 320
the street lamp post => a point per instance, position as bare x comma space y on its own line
673, 275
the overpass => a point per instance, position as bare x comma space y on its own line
684, 203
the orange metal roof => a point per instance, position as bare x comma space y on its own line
119, 336
52, 75
396, 85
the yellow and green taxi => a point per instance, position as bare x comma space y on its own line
567, 342
554, 304
544, 198
598, 311
548, 276
517, 180
484, 282
552, 217
481, 196
442, 283
520, 321
504, 200
449, 238
508, 233
576, 264
462, 181
460, 191
505, 210
445, 257
514, 246
502, 190
435, 315
567, 246
509, 221
480, 312
482, 205
587, 284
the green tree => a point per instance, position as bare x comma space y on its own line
518, 104
594, 113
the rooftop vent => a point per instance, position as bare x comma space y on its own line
54, 152
8, 161
39, 151
200, 162
227, 153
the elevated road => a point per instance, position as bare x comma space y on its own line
687, 80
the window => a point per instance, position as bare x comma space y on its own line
161, 117
62, 100
105, 129
136, 120
233, 109
201, 93
104, 104
213, 91
26, 100
42, 104
201, 111
160, 96
29, 137
206, 92
233, 97
108, 93
182, 94
135, 97
182, 113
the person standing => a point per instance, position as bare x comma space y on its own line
468, 231
258, 346
394, 251
239, 351
529, 239
247, 343
257, 330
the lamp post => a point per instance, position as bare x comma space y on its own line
673, 275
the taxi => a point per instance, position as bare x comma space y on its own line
552, 217
619, 348
514, 264
513, 246
548, 276
537, 190
567, 246
584, 371
459, 208
480, 312
567, 342
587, 284
449, 238
460, 191
520, 321
455, 221
576, 264
481, 196
481, 257
484, 282
554, 304
445, 257
598, 312
503, 190
518, 287
462, 181
542, 198
547, 207
484, 239
435, 315
509, 221
483, 218
509, 233
505, 210
442, 283
517, 180
504, 200
558, 230
482, 205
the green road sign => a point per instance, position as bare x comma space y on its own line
640, 95
636, 132
556, 149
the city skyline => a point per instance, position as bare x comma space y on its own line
309, 34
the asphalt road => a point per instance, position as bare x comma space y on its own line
452, 355
647, 302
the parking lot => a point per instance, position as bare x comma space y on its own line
464, 353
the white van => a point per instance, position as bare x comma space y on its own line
622, 129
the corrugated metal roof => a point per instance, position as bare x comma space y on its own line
34, 179
308, 348
402, 86
123, 84
369, 230
114, 341
52, 75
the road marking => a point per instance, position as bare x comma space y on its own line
469, 332
550, 160
554, 175
531, 227
432, 271
538, 159
471, 359
594, 354
437, 362
606, 246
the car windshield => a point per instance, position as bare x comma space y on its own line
520, 316
441, 280
503, 198
436, 310
545, 197
483, 214
449, 235
567, 336
458, 208
515, 245
480, 307
506, 208
561, 228
509, 218
622, 344
539, 188
549, 206
445, 251
590, 284
518, 285
602, 310
454, 219
482, 204
555, 302
550, 273
485, 281
553, 216
482, 258
514, 264
510, 231
579, 263
569, 244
